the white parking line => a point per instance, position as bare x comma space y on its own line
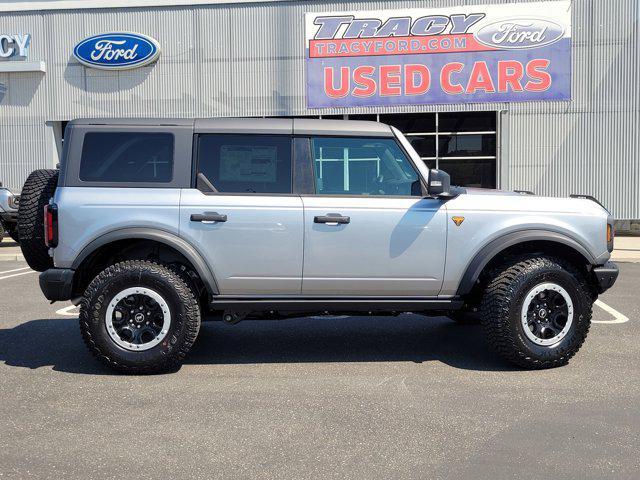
617, 316
70, 311
16, 275
14, 270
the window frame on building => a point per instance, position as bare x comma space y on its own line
440, 160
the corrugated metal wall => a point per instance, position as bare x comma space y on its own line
248, 60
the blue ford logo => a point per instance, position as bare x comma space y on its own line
117, 51
520, 33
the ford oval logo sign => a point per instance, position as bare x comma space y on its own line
520, 33
117, 51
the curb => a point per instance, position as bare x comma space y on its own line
11, 257
626, 260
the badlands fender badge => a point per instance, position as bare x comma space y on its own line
457, 220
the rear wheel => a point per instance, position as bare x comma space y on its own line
537, 311
2, 232
36, 193
139, 317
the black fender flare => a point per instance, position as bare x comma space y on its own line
161, 236
493, 248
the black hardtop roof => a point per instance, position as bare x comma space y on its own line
133, 121
298, 126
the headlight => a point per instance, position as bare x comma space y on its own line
14, 202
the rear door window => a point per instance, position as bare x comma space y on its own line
246, 163
127, 157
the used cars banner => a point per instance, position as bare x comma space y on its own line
491, 53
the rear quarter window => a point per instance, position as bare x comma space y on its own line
127, 157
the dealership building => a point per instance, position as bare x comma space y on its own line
529, 95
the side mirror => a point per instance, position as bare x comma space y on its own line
439, 183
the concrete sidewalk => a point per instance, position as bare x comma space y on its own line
627, 250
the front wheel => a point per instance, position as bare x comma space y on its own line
537, 311
139, 317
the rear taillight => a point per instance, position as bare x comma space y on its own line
51, 225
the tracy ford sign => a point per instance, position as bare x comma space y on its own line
14, 45
467, 54
117, 51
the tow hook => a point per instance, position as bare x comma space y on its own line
233, 317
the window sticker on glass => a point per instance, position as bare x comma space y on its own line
240, 163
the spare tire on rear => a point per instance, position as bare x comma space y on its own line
36, 193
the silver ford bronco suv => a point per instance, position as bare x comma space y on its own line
153, 225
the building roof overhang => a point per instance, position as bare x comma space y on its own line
43, 5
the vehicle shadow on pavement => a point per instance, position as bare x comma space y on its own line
408, 338
43, 343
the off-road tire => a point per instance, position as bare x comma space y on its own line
185, 317
36, 193
502, 303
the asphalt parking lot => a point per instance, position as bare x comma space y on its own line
361, 398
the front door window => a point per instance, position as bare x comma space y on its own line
363, 166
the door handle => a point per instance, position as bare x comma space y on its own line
332, 218
209, 217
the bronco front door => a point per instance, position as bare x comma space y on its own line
368, 229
